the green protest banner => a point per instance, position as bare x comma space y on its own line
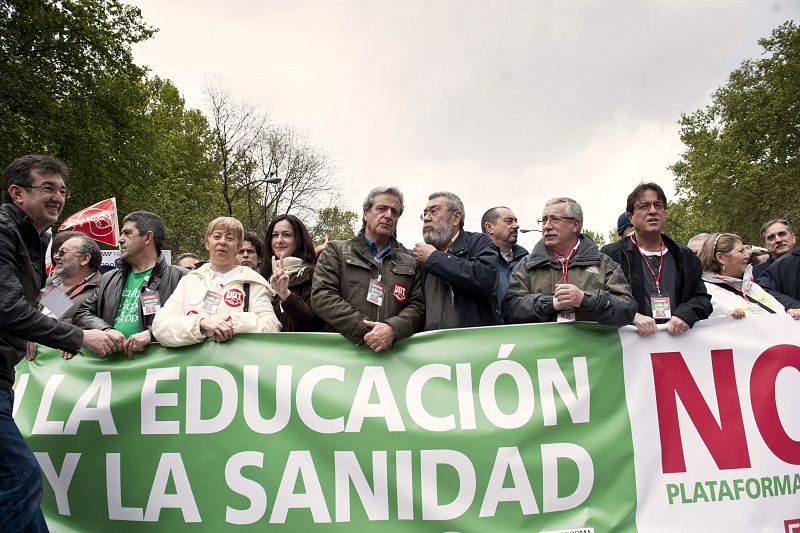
505, 429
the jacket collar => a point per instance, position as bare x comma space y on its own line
587, 253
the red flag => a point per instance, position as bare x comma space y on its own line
98, 221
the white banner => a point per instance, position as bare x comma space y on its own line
723, 449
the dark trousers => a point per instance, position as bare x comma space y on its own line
20, 476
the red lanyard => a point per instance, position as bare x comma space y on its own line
740, 289
656, 277
565, 262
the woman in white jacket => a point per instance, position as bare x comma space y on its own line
728, 276
219, 299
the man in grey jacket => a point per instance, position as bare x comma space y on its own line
566, 278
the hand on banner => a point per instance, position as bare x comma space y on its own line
100, 342
136, 343
794, 313
220, 329
279, 279
677, 326
380, 336
422, 252
117, 338
646, 325
567, 295
66, 356
30, 351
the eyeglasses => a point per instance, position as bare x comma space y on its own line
48, 190
553, 219
645, 206
433, 211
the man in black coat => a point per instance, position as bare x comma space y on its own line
460, 268
33, 197
666, 277
129, 296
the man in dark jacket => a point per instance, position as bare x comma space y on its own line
500, 224
369, 288
666, 277
566, 278
782, 280
33, 197
460, 268
129, 296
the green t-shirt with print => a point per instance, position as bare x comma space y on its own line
126, 321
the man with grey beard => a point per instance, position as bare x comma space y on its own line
460, 268
75, 276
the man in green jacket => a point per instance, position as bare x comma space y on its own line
369, 288
566, 278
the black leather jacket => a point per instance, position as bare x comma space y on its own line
99, 309
21, 279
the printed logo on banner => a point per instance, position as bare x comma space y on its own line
192, 312
399, 292
234, 298
792, 526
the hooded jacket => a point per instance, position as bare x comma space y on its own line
21, 279
177, 323
607, 295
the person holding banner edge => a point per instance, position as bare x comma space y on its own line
33, 197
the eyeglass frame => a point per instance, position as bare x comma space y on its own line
64, 193
434, 212
646, 206
555, 219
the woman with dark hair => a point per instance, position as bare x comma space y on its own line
289, 266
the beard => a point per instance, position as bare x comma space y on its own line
66, 269
438, 235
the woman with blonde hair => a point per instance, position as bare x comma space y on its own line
220, 298
728, 276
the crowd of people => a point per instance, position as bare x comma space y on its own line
371, 289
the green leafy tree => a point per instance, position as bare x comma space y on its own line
334, 223
596, 236
741, 165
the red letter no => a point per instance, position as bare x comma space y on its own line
726, 441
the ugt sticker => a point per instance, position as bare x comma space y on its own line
234, 298
399, 292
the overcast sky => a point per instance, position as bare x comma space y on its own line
502, 102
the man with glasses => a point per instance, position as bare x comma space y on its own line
369, 288
566, 278
33, 197
460, 268
666, 277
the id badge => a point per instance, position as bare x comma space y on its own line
375, 292
150, 302
55, 301
660, 307
566, 315
210, 301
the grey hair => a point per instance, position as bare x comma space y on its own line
88, 246
370, 199
768, 223
454, 203
573, 208
698, 237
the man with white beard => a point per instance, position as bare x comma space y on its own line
460, 267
